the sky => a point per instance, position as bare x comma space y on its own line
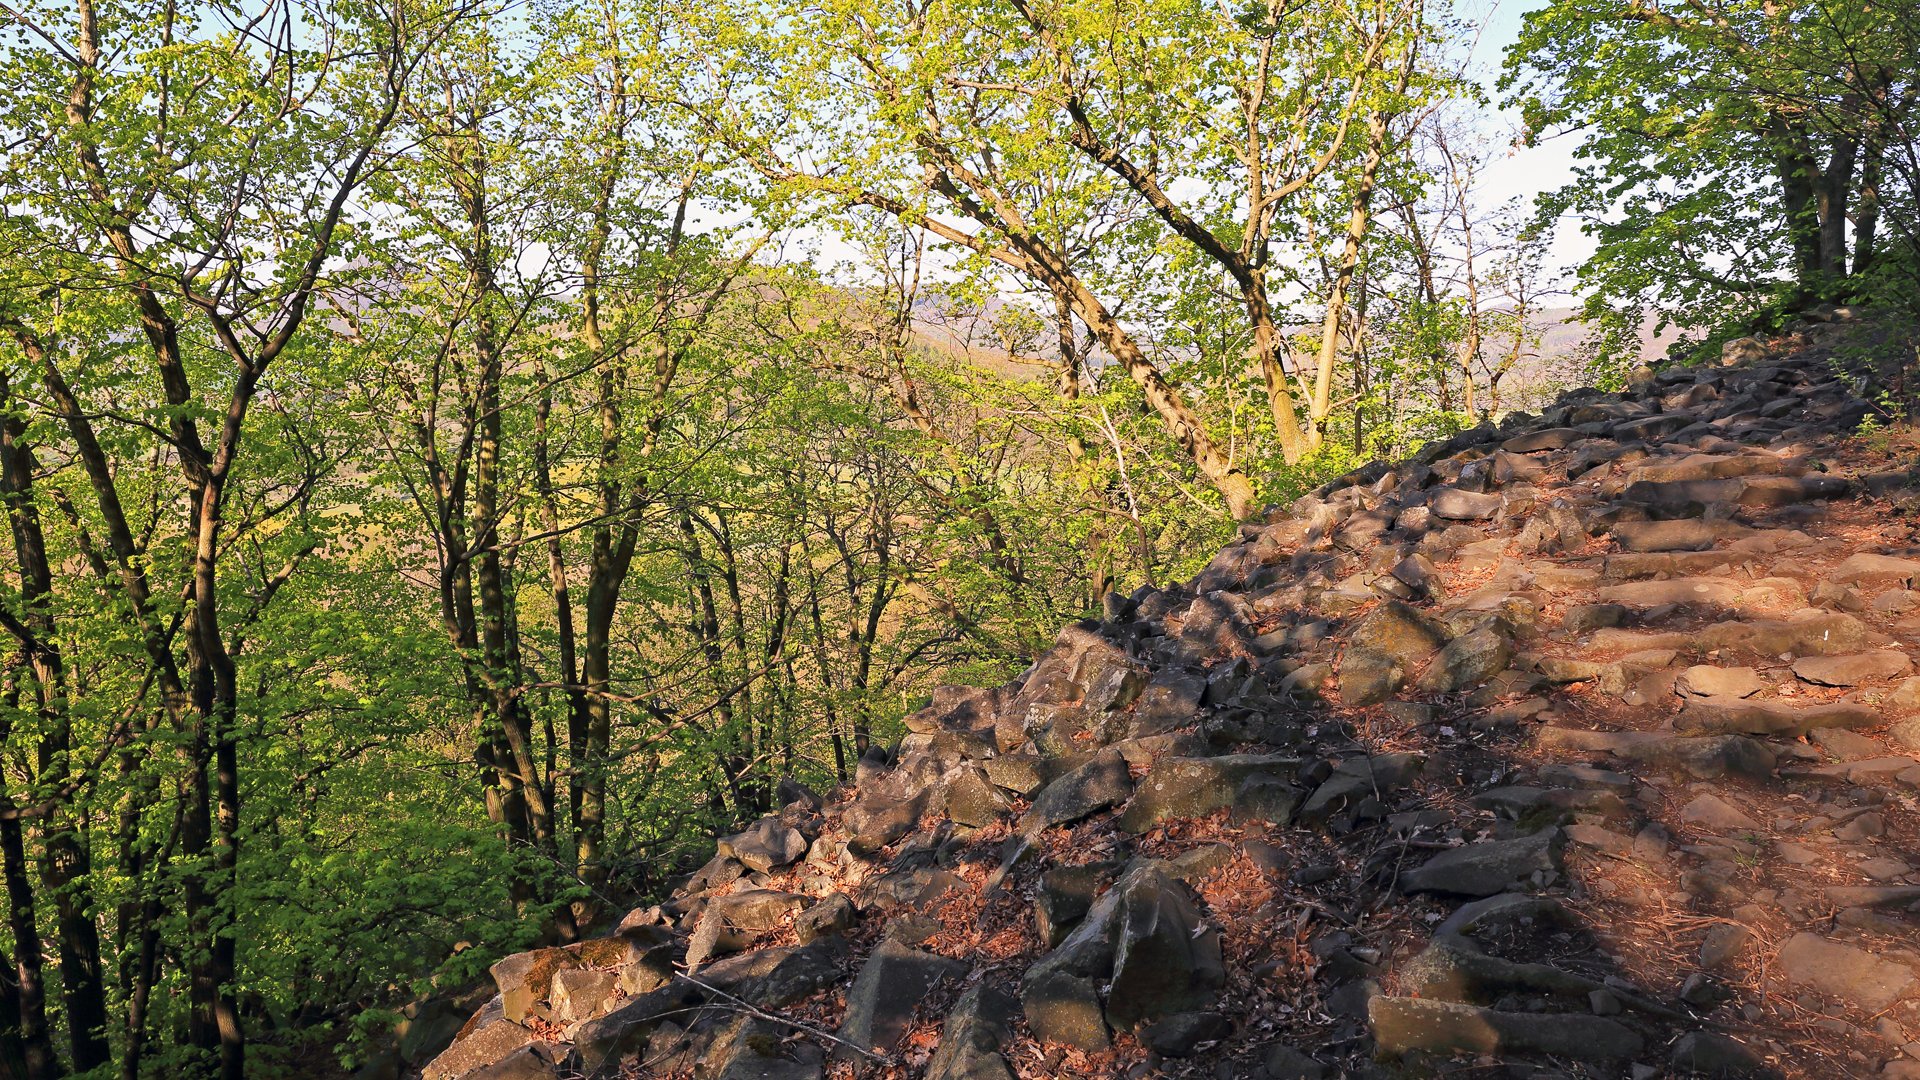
1525, 171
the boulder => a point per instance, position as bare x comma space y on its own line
1681, 534
1865, 568
1468, 661
1022, 774
1378, 775
1196, 787
1703, 680
831, 917
1166, 957
1717, 814
1542, 439
1486, 867
1064, 1009
974, 800
602, 1042
1732, 715
1368, 677
731, 923
768, 844
746, 1047
1700, 591
524, 979
978, 1026
1454, 504
1100, 783
1803, 633
1184, 1034
890, 986
532, 1062
485, 1039
1066, 894
581, 994
1709, 1053
1171, 699
1399, 631
1853, 669
1404, 1025
776, 978
1852, 975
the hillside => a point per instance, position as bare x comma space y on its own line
1581, 747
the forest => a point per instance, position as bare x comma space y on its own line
461, 455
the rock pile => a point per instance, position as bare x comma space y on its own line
1580, 746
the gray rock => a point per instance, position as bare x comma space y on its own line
1906, 698
1170, 700
1022, 774
1166, 958
974, 800
890, 986
1724, 944
1586, 617
1709, 1053
1451, 969
523, 979
487, 1038
1707, 757
1368, 677
1457, 505
1704, 680
1379, 775
775, 978
1196, 787
829, 918
1807, 633
1543, 439
1731, 715
1844, 972
1852, 670
752, 1048
1100, 783
1401, 632
603, 1041
1066, 895
533, 1062
1283, 1062
976, 1029
581, 994
1402, 1025
1865, 567
1064, 1009
1468, 661
1716, 813
1486, 867
766, 845
1183, 1034
731, 923
1682, 534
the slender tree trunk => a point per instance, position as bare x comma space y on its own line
13, 1050
65, 869
29, 987
1796, 172
1358, 219
1866, 226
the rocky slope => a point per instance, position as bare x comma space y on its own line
1581, 747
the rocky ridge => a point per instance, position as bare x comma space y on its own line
1580, 746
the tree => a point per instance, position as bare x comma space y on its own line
1722, 141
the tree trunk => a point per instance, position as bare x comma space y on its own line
29, 988
1358, 218
65, 869
1866, 225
